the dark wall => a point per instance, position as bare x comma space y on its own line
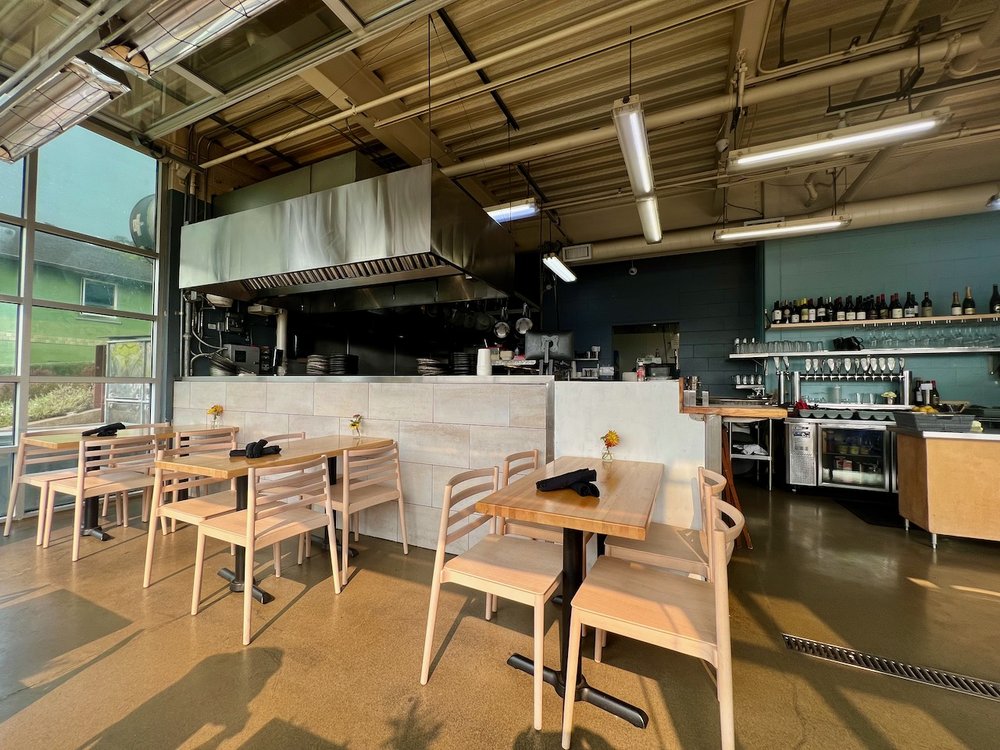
712, 296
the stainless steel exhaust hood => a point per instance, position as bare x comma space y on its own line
405, 226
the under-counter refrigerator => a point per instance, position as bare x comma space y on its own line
845, 453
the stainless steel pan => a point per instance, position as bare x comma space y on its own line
523, 324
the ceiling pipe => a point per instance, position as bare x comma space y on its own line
571, 32
961, 64
904, 18
717, 105
900, 209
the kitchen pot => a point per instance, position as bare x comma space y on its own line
523, 324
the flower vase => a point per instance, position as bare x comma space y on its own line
356, 431
213, 421
606, 456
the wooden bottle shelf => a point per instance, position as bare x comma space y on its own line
978, 318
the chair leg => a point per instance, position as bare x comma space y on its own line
42, 511
276, 551
77, 520
302, 547
49, 501
344, 536
331, 530
425, 665
146, 499
539, 662
104, 507
199, 564
15, 485
247, 594
489, 606
402, 526
572, 668
154, 512
724, 690
309, 546
121, 510
357, 527
598, 645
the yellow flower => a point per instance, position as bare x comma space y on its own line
610, 439
356, 421
215, 410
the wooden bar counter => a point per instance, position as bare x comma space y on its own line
948, 483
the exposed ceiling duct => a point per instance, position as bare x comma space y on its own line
934, 204
407, 226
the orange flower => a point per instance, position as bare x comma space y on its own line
610, 439
215, 410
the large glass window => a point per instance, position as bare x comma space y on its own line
8, 338
11, 188
84, 274
71, 344
10, 258
95, 186
75, 404
8, 392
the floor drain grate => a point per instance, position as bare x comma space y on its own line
936, 677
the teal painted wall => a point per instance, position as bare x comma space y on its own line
938, 256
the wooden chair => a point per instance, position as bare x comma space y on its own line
371, 477
30, 455
523, 570
651, 604
677, 548
105, 466
172, 499
160, 429
279, 507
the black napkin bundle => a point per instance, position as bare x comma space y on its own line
108, 430
256, 450
580, 481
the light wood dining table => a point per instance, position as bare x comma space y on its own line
70, 441
220, 465
628, 492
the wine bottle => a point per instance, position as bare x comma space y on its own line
795, 317
786, 312
838, 309
995, 300
860, 313
911, 309
821, 310
927, 307
883, 309
776, 312
968, 304
895, 309
849, 313
934, 395
811, 311
956, 305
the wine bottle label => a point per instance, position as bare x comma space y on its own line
926, 312
968, 311
956, 310
860, 315
841, 315
812, 316
996, 309
897, 312
909, 313
776, 317
795, 317
850, 315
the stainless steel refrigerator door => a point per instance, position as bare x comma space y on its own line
800, 468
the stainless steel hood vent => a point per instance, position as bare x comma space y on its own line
401, 227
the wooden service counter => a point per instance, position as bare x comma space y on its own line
948, 483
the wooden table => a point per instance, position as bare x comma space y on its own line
70, 441
628, 491
221, 466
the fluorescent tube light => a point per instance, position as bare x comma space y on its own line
560, 269
630, 125
839, 141
170, 30
82, 87
504, 212
781, 228
649, 217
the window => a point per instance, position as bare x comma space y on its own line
10, 258
11, 187
64, 344
8, 392
8, 338
93, 186
98, 294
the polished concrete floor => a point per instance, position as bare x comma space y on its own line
90, 659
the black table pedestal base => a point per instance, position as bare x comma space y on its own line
584, 692
236, 585
97, 532
91, 522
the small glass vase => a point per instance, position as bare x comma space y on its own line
356, 431
213, 421
606, 456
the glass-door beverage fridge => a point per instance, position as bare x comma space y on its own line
854, 455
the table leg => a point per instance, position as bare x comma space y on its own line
235, 578
572, 578
91, 521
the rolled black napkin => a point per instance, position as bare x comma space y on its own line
565, 481
108, 430
585, 489
256, 450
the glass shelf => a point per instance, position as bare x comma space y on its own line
869, 352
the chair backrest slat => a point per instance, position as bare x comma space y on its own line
285, 437
458, 511
211, 438
519, 463
371, 467
273, 490
103, 455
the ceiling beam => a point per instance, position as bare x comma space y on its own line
345, 14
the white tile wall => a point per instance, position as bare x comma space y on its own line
442, 429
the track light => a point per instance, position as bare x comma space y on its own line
170, 30
560, 269
781, 228
994, 201
82, 87
504, 212
630, 125
839, 141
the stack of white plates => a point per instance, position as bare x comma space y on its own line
317, 364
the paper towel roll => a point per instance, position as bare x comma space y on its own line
484, 364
